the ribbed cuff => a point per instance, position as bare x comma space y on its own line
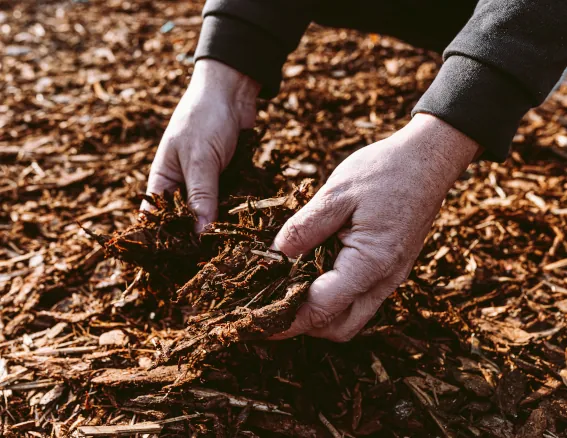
478, 100
244, 47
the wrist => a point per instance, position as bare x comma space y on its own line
219, 77
221, 84
450, 149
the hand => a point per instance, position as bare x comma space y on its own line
383, 199
201, 136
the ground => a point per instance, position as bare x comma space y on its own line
473, 344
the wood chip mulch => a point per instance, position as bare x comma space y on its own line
113, 324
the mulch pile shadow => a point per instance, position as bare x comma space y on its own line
115, 324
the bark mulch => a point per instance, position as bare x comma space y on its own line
113, 324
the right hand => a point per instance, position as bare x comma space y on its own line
381, 201
201, 136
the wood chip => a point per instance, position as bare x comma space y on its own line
94, 431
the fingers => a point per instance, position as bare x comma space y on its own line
319, 310
163, 178
353, 274
346, 325
199, 172
202, 179
165, 174
325, 214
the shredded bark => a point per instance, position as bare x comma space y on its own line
112, 322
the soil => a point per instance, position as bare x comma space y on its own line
115, 323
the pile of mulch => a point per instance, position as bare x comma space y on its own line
113, 324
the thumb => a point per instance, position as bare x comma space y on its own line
354, 273
324, 215
202, 181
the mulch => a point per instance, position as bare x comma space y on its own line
115, 324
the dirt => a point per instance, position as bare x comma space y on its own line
112, 320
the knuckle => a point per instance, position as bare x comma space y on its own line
199, 194
298, 232
163, 177
204, 158
371, 265
380, 259
319, 317
360, 283
385, 265
334, 192
368, 270
328, 204
216, 153
171, 141
295, 236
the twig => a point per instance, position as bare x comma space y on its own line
428, 404
52, 352
332, 430
7, 277
259, 294
123, 297
272, 255
23, 424
26, 386
12, 377
258, 205
237, 401
180, 418
288, 382
20, 258
121, 430
108, 209
555, 288
537, 201
556, 265
379, 370
113, 430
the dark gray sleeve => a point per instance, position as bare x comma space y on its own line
505, 61
254, 36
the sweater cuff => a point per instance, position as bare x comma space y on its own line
244, 47
478, 100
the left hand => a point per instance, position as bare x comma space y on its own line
201, 137
383, 199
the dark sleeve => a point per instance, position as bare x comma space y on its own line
505, 61
254, 36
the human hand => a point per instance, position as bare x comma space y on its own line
201, 136
383, 199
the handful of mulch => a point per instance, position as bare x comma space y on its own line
239, 288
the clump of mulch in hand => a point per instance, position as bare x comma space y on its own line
240, 288
163, 244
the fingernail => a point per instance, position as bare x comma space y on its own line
145, 205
